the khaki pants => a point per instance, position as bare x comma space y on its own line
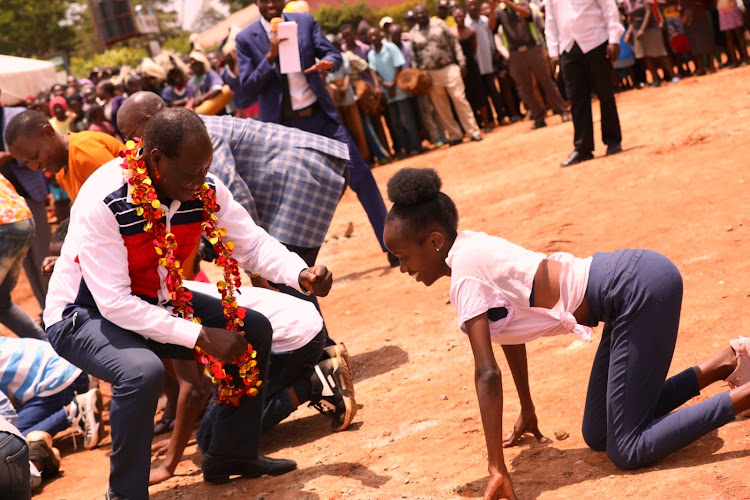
448, 82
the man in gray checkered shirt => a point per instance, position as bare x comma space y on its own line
288, 180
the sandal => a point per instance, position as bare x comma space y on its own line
741, 374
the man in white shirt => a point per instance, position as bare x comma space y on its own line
584, 36
107, 309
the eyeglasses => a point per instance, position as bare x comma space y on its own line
129, 136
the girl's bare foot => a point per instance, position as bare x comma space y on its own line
717, 367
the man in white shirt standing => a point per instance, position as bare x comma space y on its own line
584, 36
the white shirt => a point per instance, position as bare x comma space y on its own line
485, 43
589, 23
300, 92
97, 255
489, 273
295, 322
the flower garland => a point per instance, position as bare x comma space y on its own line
147, 205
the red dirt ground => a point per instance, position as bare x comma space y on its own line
680, 187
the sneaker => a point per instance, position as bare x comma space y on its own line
332, 384
87, 419
676, 79
43, 453
338, 351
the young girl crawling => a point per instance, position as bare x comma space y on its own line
507, 294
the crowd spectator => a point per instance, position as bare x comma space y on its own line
647, 39
435, 49
584, 37
485, 53
526, 58
475, 91
387, 61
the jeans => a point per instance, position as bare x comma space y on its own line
131, 364
629, 405
286, 369
48, 413
404, 126
15, 240
15, 475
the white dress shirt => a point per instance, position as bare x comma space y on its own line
300, 92
589, 23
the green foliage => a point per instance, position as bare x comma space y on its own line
113, 57
179, 43
35, 27
330, 17
235, 5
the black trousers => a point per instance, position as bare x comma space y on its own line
585, 74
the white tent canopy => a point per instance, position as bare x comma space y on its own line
21, 77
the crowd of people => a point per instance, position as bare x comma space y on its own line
247, 161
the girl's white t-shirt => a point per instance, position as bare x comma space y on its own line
488, 272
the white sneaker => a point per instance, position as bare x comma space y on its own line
88, 418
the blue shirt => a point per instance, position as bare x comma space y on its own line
206, 82
385, 63
31, 368
171, 94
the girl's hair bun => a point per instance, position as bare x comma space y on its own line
413, 186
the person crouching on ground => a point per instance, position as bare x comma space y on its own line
507, 294
110, 288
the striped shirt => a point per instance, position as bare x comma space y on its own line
108, 262
30, 368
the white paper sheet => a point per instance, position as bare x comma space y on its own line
289, 59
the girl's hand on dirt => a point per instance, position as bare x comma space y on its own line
526, 423
499, 486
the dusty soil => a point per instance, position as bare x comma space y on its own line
681, 187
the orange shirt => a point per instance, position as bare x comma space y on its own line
87, 151
13, 208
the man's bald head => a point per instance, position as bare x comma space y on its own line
136, 111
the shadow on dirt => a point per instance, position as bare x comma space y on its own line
542, 468
287, 486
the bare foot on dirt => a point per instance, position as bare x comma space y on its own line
158, 475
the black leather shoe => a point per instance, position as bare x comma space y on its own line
218, 470
613, 149
539, 124
455, 142
576, 157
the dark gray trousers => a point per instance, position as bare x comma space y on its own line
522, 65
629, 405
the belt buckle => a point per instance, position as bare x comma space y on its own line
523, 48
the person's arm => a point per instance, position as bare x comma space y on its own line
457, 50
646, 18
254, 76
255, 249
192, 400
552, 33
216, 84
488, 382
329, 59
611, 15
522, 7
527, 421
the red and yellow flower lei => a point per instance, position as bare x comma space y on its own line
147, 204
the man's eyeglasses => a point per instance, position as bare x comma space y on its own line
129, 136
